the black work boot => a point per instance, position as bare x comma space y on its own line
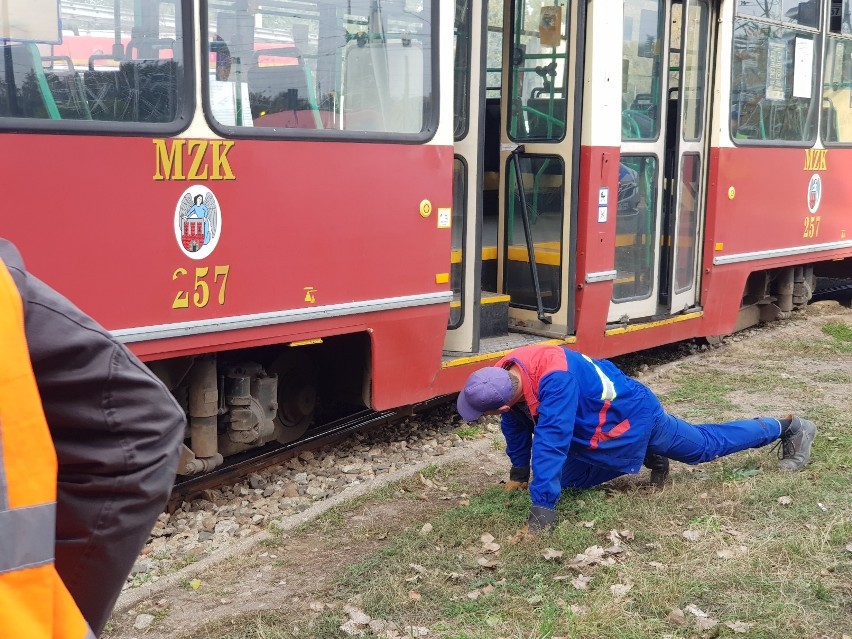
796, 440
659, 466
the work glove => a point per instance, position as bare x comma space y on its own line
519, 478
541, 519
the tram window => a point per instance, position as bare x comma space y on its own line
457, 261
837, 80
538, 71
113, 62
804, 13
641, 62
359, 66
543, 180
773, 78
462, 74
840, 18
693, 71
636, 223
494, 53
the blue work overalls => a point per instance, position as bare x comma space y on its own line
584, 422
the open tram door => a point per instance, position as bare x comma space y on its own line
538, 163
663, 169
515, 171
465, 320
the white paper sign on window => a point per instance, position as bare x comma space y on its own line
30, 21
804, 68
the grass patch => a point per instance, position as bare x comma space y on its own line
778, 565
840, 331
470, 431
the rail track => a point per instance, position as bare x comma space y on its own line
239, 466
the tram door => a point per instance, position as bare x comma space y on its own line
662, 174
468, 94
536, 162
514, 142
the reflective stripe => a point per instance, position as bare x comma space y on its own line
272, 318
4, 486
602, 276
27, 537
785, 252
608, 394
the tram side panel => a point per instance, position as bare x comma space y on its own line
288, 243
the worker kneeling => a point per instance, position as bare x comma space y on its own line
579, 422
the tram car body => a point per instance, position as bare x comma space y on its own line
291, 209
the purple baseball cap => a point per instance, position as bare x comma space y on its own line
487, 389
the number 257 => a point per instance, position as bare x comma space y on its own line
812, 226
201, 295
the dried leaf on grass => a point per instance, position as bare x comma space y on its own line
523, 534
356, 615
414, 595
703, 621
706, 623
581, 582
431, 483
849, 547
656, 564
427, 528
620, 590
486, 538
551, 553
738, 626
586, 524
695, 610
487, 563
617, 536
785, 500
591, 556
692, 535
676, 617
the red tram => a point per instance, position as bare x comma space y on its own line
290, 206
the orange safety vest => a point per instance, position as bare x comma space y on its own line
34, 603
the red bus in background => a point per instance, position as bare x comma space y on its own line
295, 210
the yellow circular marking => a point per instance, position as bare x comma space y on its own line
732, 193
425, 208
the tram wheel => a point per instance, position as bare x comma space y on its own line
297, 394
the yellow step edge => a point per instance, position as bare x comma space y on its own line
463, 361
641, 327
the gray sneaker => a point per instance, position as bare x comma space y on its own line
796, 442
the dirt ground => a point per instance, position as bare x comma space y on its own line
293, 569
